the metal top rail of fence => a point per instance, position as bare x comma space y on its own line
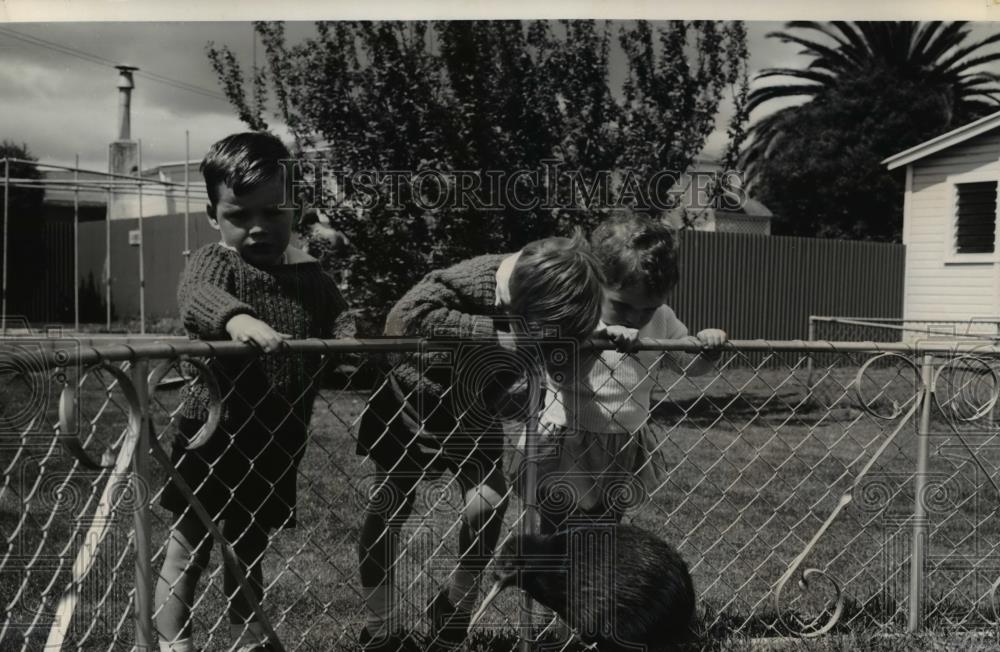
842, 328
858, 498
891, 320
176, 347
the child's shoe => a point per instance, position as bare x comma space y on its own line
178, 645
449, 625
250, 637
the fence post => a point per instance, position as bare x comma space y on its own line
187, 197
6, 210
76, 245
145, 635
918, 551
530, 523
142, 265
107, 243
809, 360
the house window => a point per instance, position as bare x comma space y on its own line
976, 217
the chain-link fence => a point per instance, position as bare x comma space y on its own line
887, 329
891, 329
873, 481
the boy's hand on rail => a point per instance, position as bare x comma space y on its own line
623, 337
250, 330
711, 340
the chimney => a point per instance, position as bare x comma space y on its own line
123, 153
125, 86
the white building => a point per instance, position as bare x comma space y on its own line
950, 226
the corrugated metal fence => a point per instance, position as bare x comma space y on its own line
766, 287
750, 285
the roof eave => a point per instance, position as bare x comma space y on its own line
944, 141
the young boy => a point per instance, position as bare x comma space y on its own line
250, 287
427, 417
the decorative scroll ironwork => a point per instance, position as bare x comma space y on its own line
101, 523
804, 575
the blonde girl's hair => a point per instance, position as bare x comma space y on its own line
636, 250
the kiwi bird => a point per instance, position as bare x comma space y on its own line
618, 586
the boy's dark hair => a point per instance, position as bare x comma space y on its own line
243, 161
634, 249
557, 281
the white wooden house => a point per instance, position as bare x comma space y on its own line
950, 227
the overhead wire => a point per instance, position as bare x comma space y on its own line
98, 60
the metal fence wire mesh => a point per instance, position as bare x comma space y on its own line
873, 478
887, 329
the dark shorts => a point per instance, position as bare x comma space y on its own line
245, 473
426, 438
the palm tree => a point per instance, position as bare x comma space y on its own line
935, 55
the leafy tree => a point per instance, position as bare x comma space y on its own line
589, 135
877, 89
26, 235
487, 97
670, 101
829, 180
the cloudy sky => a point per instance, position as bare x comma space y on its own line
60, 95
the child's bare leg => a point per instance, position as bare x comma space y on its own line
389, 505
187, 555
485, 492
249, 541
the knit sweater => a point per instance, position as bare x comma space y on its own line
295, 297
459, 302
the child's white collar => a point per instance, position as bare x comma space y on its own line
503, 279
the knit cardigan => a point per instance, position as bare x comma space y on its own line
457, 304
298, 298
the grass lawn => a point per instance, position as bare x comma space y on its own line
753, 464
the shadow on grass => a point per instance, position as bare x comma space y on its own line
704, 411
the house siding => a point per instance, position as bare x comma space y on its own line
935, 288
